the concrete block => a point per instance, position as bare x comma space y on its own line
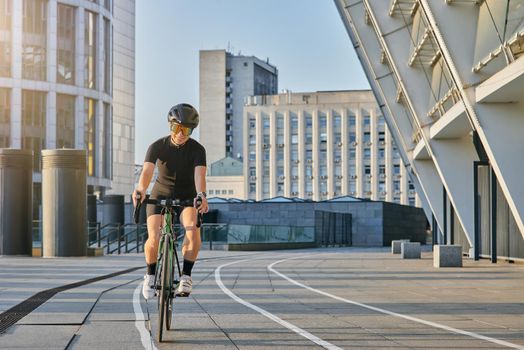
395, 245
447, 255
410, 250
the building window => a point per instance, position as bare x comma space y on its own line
211, 192
309, 120
34, 124
265, 122
396, 185
65, 121
252, 171
65, 69
265, 187
367, 153
90, 50
106, 144
266, 154
367, 169
367, 137
252, 188
229, 191
352, 154
352, 137
5, 35
382, 169
224, 191
294, 122
280, 154
5, 118
381, 136
396, 169
336, 120
280, 187
252, 139
366, 121
352, 186
90, 134
294, 139
381, 153
280, 121
309, 154
252, 155
252, 124
34, 40
352, 120
322, 120
107, 64
309, 138
294, 154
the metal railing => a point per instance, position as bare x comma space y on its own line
115, 238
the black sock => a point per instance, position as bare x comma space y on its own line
188, 266
151, 268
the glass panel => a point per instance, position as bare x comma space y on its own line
65, 72
106, 143
90, 50
34, 39
107, 63
5, 117
90, 135
5, 35
34, 124
269, 234
65, 121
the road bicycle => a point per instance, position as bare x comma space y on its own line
166, 281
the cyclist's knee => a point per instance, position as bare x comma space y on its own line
190, 228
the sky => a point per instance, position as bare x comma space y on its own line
305, 39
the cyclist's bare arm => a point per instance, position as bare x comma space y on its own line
200, 185
145, 179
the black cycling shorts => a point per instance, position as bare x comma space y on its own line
152, 209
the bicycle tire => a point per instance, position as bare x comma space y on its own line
164, 293
171, 294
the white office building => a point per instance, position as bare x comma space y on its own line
449, 79
321, 145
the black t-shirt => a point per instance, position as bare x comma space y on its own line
176, 167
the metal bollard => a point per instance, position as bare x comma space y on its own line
64, 202
16, 202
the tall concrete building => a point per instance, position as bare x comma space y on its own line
67, 80
225, 81
449, 79
321, 145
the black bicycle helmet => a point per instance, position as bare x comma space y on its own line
183, 114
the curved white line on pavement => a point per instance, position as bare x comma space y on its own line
391, 313
269, 315
145, 336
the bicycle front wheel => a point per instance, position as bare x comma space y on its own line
165, 288
171, 297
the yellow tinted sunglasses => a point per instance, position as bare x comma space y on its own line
176, 128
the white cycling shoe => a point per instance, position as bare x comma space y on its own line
148, 288
185, 286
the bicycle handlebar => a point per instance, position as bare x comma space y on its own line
169, 203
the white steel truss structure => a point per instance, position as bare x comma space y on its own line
449, 78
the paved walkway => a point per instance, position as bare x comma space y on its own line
346, 298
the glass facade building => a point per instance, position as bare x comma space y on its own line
57, 69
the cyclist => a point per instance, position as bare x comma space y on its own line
181, 165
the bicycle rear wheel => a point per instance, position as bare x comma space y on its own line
164, 288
